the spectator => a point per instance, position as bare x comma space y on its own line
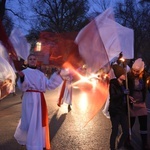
118, 107
137, 82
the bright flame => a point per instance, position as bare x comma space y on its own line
106, 76
122, 59
94, 83
91, 79
82, 79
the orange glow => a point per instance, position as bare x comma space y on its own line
90, 101
92, 95
83, 102
122, 59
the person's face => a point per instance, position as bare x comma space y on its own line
136, 72
32, 61
122, 78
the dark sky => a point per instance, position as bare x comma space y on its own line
25, 26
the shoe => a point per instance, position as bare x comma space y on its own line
69, 108
106, 114
14, 94
58, 105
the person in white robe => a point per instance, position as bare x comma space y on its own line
33, 128
65, 95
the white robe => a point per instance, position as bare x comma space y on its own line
29, 131
67, 95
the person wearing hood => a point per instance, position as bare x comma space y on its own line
118, 107
137, 83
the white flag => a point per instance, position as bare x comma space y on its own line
104, 39
7, 78
20, 44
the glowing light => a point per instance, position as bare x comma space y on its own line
92, 80
83, 102
93, 75
105, 76
94, 83
82, 79
86, 81
38, 46
122, 59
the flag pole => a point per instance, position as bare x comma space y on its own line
128, 105
121, 59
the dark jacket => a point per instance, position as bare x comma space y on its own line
118, 104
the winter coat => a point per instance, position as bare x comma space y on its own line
139, 93
118, 104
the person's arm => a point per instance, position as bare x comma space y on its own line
54, 81
21, 75
22, 81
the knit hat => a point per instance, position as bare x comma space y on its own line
118, 70
138, 65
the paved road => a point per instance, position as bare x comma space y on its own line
67, 129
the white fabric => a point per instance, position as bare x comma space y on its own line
7, 72
115, 37
106, 107
29, 131
67, 97
104, 35
20, 44
4, 54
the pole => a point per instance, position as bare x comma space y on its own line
128, 105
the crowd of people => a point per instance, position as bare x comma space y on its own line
127, 101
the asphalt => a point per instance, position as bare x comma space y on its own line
68, 130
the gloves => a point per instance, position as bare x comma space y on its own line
126, 92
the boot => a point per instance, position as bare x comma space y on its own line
69, 108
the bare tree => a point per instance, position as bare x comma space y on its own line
5, 18
60, 15
8, 23
2, 8
137, 17
100, 5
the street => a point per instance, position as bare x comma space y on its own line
68, 130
